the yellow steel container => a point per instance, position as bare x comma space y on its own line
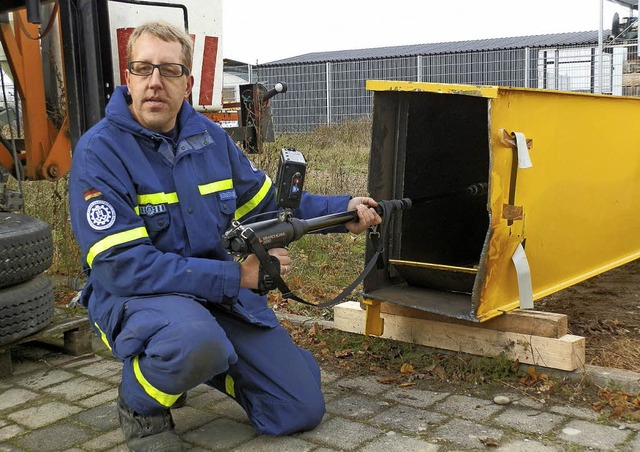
563, 198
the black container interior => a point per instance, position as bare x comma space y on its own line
425, 146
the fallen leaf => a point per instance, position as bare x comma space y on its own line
407, 368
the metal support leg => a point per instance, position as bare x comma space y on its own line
374, 323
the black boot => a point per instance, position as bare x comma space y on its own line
150, 432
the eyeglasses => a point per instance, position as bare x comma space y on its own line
171, 70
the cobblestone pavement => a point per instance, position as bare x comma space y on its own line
55, 402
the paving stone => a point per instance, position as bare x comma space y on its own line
419, 398
104, 368
115, 380
39, 381
332, 392
221, 434
355, 406
635, 444
527, 420
579, 412
78, 388
201, 389
408, 419
527, 445
207, 400
9, 431
276, 443
110, 395
529, 403
394, 442
108, 441
102, 418
466, 433
342, 434
363, 385
39, 416
328, 377
71, 362
66, 435
12, 398
6, 447
467, 407
590, 434
23, 367
189, 418
231, 409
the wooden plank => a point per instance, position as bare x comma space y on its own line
68, 331
537, 323
565, 353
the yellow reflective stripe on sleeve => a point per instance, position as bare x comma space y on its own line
158, 198
161, 397
214, 187
230, 386
102, 336
253, 202
115, 239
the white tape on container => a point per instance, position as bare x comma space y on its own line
524, 161
523, 272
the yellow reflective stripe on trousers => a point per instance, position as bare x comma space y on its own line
102, 336
214, 187
114, 240
253, 202
161, 397
230, 386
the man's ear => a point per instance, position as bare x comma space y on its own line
190, 82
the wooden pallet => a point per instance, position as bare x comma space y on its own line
68, 331
531, 337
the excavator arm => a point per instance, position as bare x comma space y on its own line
60, 82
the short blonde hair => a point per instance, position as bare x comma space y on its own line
168, 33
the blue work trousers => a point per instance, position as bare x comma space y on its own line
171, 343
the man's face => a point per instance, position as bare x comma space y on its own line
156, 100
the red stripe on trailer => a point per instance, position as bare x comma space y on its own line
123, 38
210, 55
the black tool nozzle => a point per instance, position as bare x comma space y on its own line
278, 88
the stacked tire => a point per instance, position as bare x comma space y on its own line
26, 295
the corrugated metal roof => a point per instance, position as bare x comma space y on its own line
628, 3
549, 40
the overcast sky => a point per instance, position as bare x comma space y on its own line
263, 31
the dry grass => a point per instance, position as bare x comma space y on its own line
48, 201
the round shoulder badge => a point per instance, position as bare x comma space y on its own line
101, 215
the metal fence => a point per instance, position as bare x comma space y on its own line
331, 92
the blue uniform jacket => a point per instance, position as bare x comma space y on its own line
149, 220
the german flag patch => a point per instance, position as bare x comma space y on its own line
91, 193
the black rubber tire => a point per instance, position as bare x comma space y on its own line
25, 308
26, 248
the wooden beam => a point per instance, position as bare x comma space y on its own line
566, 352
537, 323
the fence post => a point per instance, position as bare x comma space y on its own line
419, 71
329, 93
527, 69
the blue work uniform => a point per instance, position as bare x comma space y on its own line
148, 212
